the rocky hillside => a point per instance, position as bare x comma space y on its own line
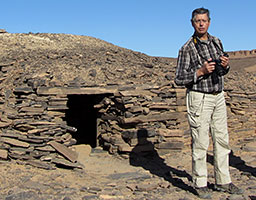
61, 59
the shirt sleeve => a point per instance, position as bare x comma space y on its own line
185, 74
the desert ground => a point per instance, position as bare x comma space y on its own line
127, 177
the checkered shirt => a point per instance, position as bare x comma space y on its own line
189, 61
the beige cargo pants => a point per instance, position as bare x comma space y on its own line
207, 113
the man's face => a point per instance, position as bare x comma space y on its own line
201, 24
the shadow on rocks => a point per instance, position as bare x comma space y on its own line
236, 162
144, 155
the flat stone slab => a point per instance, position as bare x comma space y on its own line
74, 90
65, 151
14, 142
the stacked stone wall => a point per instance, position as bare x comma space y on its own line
130, 119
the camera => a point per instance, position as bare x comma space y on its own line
219, 70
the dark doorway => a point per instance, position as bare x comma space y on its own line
82, 115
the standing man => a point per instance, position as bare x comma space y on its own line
201, 66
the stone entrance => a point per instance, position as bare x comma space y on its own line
82, 115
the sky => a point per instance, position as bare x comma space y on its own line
153, 27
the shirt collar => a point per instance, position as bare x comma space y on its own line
210, 38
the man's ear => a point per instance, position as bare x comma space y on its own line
192, 22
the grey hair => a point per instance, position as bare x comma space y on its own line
200, 11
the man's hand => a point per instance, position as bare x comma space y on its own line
224, 61
207, 68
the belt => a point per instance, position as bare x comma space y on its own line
216, 92
213, 93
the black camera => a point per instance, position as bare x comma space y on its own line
219, 70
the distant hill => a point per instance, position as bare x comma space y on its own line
242, 53
243, 60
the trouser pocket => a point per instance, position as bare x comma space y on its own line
195, 102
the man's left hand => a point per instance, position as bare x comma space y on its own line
224, 61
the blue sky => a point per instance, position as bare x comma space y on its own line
153, 27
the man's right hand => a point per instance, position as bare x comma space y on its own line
207, 68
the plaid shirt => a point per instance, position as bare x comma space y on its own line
191, 58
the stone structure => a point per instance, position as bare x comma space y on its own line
102, 95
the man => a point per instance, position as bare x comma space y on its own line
197, 65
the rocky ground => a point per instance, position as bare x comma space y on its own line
127, 177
